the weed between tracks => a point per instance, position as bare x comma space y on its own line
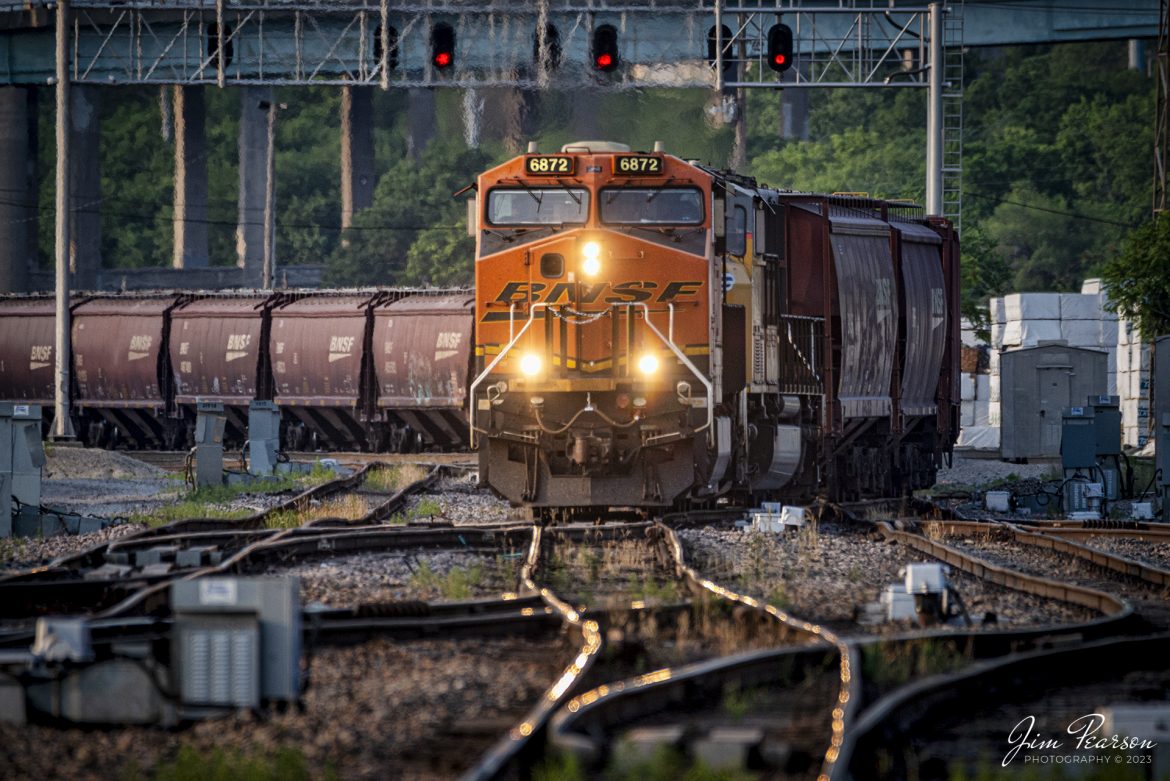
488, 577
392, 479
667, 764
287, 764
351, 507
611, 574
888, 665
210, 501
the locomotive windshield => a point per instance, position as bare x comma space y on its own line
652, 206
538, 206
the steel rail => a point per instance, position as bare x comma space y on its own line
494, 762
904, 711
1046, 540
1112, 607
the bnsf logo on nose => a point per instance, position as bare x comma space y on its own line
239, 341
340, 344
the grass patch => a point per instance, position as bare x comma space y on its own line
13, 548
287, 764
457, 583
392, 479
188, 508
670, 764
889, 665
207, 501
350, 507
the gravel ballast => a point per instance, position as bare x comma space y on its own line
413, 710
829, 574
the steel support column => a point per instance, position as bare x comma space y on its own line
62, 425
17, 198
357, 151
421, 121
934, 117
190, 217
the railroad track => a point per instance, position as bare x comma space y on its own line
589, 708
174, 460
938, 726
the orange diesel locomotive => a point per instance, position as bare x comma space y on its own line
640, 341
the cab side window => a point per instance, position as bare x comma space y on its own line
737, 231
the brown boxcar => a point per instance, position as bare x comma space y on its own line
27, 350
422, 363
122, 371
219, 352
318, 348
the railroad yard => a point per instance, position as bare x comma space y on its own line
447, 636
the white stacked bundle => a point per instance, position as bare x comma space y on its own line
998, 319
1031, 318
1133, 384
967, 333
1085, 322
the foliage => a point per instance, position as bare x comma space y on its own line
287, 764
457, 583
1138, 277
412, 202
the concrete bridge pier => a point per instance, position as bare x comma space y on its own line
421, 121
190, 214
18, 190
357, 152
253, 147
85, 186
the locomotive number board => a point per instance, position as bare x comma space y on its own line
550, 165
637, 165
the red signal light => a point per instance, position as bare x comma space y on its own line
442, 59
604, 60
780, 59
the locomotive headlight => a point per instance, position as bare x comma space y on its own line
648, 363
530, 364
591, 264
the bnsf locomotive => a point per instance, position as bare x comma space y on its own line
652, 332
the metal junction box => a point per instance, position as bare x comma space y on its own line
236, 641
209, 426
1162, 449
1078, 438
1036, 385
263, 437
21, 457
1107, 417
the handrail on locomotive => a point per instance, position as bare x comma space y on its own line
667, 340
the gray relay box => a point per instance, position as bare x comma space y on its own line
237, 641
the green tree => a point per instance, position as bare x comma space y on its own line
412, 203
1138, 278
